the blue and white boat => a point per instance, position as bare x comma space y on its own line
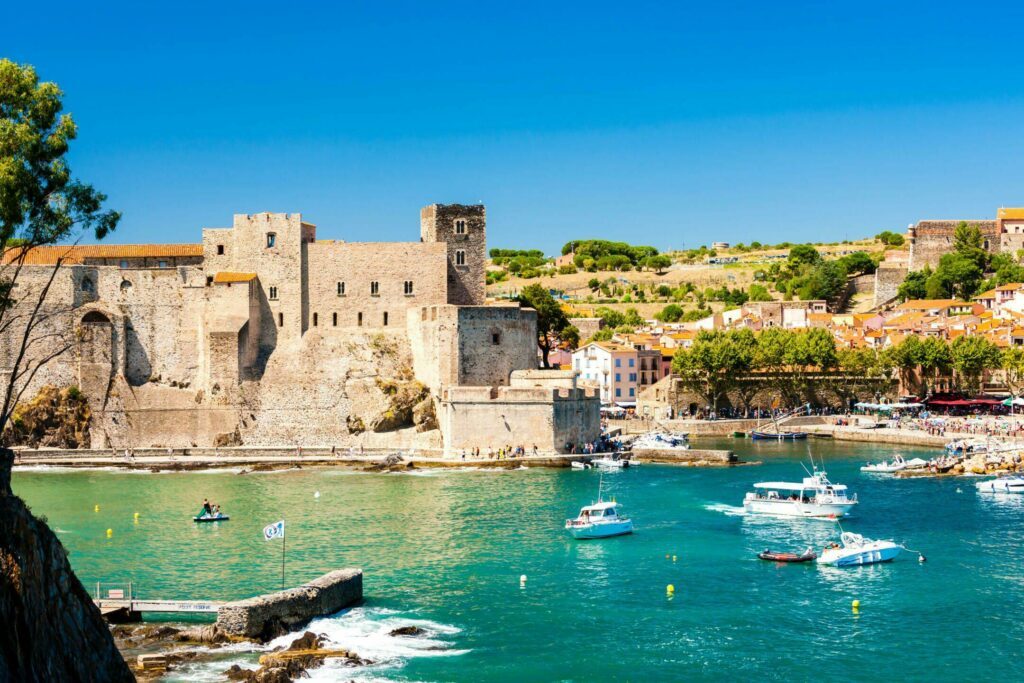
600, 520
856, 550
1013, 483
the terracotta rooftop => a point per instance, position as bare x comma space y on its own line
229, 277
48, 255
1008, 213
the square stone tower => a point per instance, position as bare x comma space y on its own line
464, 229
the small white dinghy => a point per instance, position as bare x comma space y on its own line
580, 465
610, 462
1013, 483
895, 465
857, 550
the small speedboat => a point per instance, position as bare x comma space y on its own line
777, 436
805, 556
580, 465
211, 518
600, 520
856, 550
895, 465
1013, 483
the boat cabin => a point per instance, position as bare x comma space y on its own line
807, 491
599, 511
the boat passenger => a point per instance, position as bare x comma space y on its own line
207, 510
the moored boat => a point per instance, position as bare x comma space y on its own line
805, 556
1009, 484
856, 550
777, 436
895, 465
610, 462
814, 497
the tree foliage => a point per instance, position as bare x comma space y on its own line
552, 322
40, 203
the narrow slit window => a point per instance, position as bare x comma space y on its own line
273, 293
334, 319
280, 319
271, 239
316, 319
374, 288
359, 319
341, 289
220, 250
408, 287
385, 318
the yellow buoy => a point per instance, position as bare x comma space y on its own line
135, 517
110, 532
96, 508
673, 558
670, 589
855, 604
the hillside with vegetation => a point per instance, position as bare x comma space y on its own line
685, 285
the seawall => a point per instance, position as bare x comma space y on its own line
265, 616
692, 456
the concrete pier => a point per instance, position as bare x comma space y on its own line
265, 615
692, 456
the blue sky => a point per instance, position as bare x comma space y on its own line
661, 123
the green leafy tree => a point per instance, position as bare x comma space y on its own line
659, 263
670, 314
803, 254
971, 356
759, 293
570, 336
1012, 363
551, 319
594, 284
41, 203
708, 368
826, 280
858, 263
914, 285
957, 275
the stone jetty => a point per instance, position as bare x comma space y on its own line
689, 456
267, 616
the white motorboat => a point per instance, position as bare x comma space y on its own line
580, 465
610, 462
916, 463
814, 497
894, 465
1013, 483
857, 550
599, 520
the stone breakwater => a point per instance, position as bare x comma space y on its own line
267, 616
690, 456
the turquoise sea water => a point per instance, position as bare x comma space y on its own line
445, 549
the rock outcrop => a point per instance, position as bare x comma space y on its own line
53, 418
50, 630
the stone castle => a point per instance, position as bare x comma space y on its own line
928, 240
264, 335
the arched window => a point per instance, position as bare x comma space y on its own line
460, 258
460, 226
273, 293
95, 317
126, 287
375, 288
